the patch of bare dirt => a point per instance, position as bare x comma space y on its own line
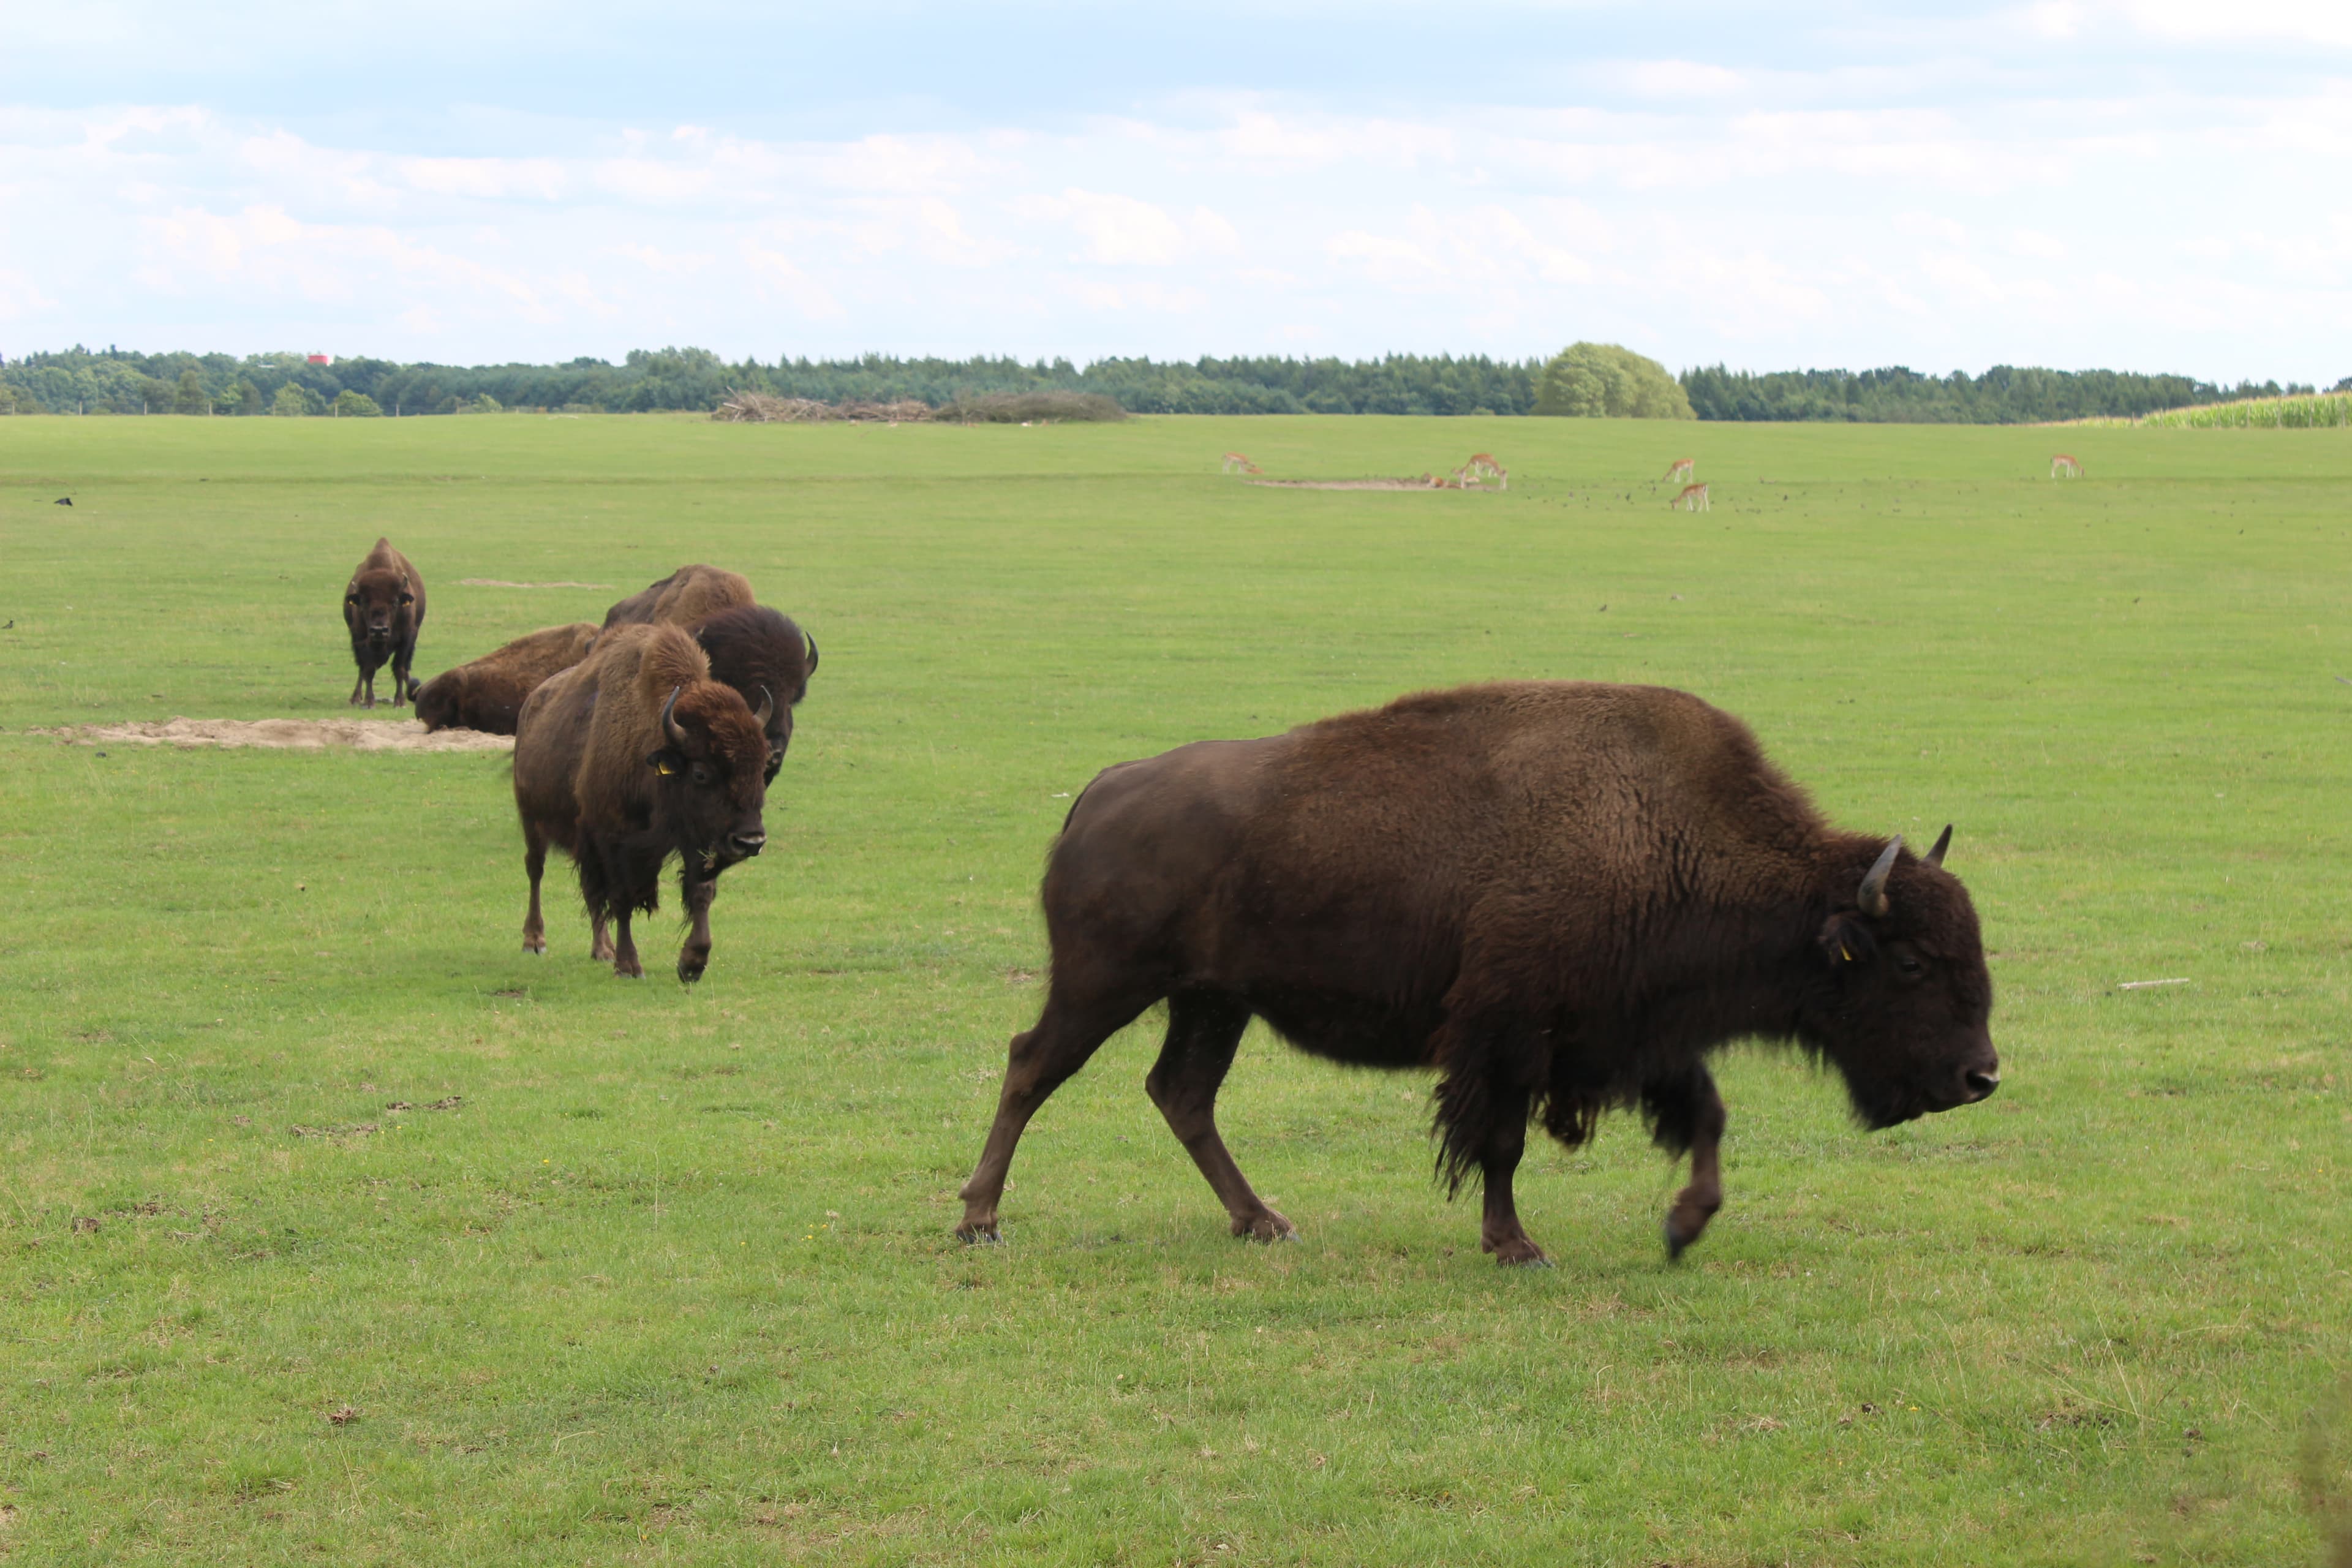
285, 734
1424, 483
501, 583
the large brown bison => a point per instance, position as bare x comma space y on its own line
384, 609
487, 694
760, 653
1560, 896
631, 756
680, 599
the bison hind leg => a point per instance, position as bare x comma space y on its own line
1205, 1029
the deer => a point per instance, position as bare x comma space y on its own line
1237, 464
2062, 467
1681, 468
1693, 497
1482, 466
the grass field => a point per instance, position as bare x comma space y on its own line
674, 1281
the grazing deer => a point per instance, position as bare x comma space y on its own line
1693, 497
2062, 467
1481, 467
1682, 468
1237, 464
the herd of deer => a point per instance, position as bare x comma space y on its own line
1692, 497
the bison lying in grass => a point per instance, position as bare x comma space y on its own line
487, 694
680, 599
1561, 897
631, 756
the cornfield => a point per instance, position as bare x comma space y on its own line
2311, 411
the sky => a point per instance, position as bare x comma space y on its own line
2143, 185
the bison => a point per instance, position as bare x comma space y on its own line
487, 694
384, 609
758, 651
631, 755
683, 597
1560, 896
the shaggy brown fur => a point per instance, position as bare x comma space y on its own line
761, 654
487, 694
600, 773
383, 610
1560, 896
680, 599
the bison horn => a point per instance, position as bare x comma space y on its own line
1944, 841
1872, 898
670, 730
812, 642
767, 708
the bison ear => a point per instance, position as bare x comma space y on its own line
666, 761
1845, 941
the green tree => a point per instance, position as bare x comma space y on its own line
349, 404
289, 403
1596, 381
245, 396
189, 397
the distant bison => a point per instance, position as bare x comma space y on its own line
487, 694
630, 756
384, 609
760, 653
1560, 896
683, 597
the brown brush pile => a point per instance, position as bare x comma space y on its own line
761, 408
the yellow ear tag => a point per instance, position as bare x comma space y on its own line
666, 768
1841, 952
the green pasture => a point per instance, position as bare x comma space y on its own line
670, 1278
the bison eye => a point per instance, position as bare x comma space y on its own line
701, 775
1909, 965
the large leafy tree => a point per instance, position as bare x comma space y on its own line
1596, 381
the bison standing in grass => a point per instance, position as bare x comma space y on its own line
683, 597
487, 694
1560, 896
631, 756
384, 609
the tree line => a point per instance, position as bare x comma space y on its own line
1585, 379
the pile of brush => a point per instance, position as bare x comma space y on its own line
763, 408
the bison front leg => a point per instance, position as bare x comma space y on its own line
1697, 1203
695, 956
1203, 1033
1499, 1231
624, 950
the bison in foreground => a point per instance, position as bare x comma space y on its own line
384, 609
760, 653
1561, 896
631, 756
680, 599
487, 694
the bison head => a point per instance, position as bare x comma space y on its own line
712, 762
440, 701
1904, 1001
376, 602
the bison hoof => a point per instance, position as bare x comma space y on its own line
1268, 1226
979, 1235
1518, 1252
628, 969
689, 970
537, 945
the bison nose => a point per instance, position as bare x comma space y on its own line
749, 844
1980, 1083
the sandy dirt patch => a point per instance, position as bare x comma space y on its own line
285, 734
501, 583
1420, 484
